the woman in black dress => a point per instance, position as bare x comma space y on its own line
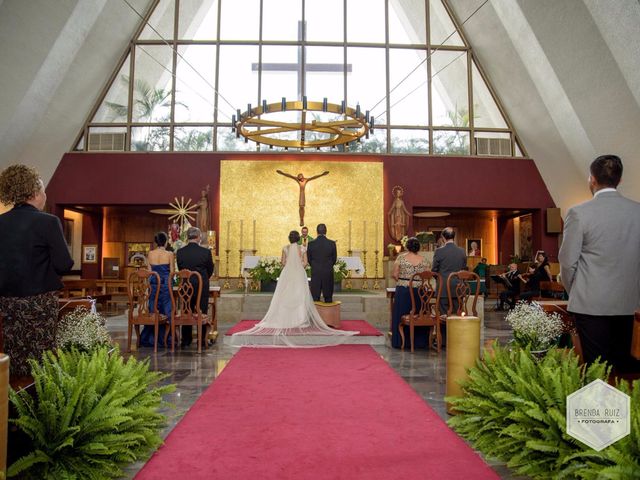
33, 255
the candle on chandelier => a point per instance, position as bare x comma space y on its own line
241, 232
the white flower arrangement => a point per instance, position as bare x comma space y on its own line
82, 329
268, 268
533, 327
403, 242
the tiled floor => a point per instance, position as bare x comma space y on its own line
193, 373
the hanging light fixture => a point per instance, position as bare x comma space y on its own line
319, 124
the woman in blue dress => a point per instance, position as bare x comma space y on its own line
161, 261
406, 266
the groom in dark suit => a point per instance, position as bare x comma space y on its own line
322, 255
194, 257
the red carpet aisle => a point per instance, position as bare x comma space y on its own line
324, 413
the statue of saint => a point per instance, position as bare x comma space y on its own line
302, 183
398, 215
203, 217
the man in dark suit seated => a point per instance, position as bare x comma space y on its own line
194, 257
511, 282
448, 259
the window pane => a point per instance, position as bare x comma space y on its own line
194, 139
280, 71
195, 95
325, 20
449, 88
144, 139
280, 19
409, 141
240, 20
447, 142
321, 84
227, 142
114, 107
366, 84
238, 82
376, 143
152, 84
410, 99
365, 21
485, 110
407, 22
442, 27
198, 20
162, 22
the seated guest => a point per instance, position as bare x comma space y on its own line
405, 267
33, 256
194, 257
160, 261
511, 281
538, 272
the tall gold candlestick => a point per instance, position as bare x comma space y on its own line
226, 282
350, 237
240, 282
376, 284
365, 282
241, 233
254, 236
364, 235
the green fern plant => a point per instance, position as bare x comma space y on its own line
92, 414
514, 410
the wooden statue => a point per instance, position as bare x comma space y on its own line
302, 183
398, 215
203, 217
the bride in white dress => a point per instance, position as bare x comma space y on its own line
292, 319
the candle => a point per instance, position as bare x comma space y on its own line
228, 234
349, 234
376, 236
254, 234
241, 232
364, 236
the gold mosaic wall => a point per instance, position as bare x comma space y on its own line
252, 192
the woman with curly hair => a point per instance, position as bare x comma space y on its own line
33, 255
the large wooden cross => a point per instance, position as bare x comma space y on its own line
301, 66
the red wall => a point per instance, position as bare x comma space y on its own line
440, 182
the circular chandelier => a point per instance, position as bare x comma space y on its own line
318, 124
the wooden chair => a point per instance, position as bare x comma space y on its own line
139, 290
462, 292
425, 308
183, 313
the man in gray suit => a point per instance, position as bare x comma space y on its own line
446, 260
600, 266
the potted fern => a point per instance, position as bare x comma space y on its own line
93, 413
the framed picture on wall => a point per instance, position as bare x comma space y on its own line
90, 254
474, 247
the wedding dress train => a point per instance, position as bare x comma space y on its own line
292, 319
